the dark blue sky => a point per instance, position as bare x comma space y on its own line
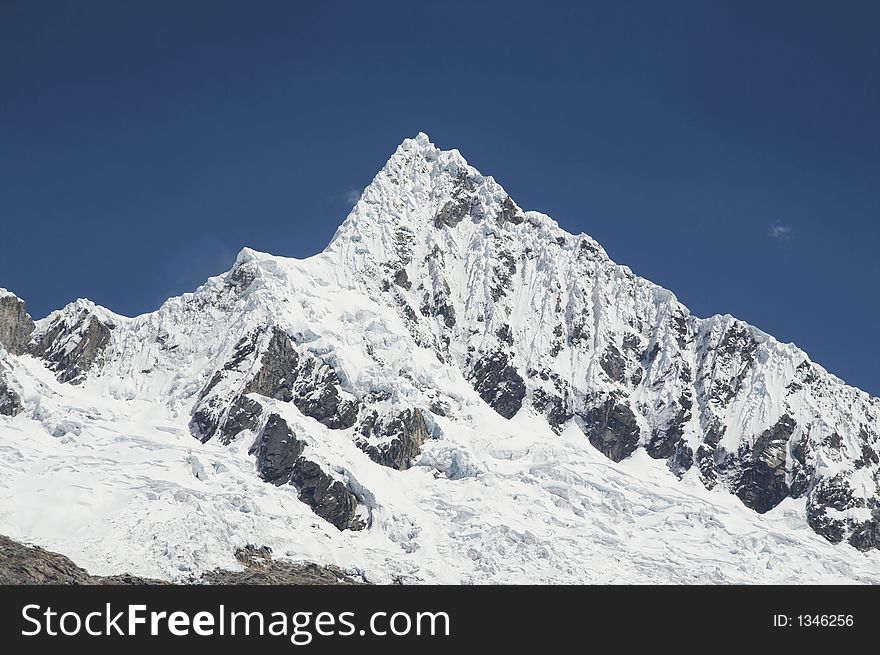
142, 144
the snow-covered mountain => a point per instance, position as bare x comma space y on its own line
455, 390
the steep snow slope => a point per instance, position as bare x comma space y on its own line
454, 390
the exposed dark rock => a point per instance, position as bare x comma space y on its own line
505, 335
498, 383
10, 401
206, 419
396, 441
587, 249
268, 571
401, 279
215, 417
760, 480
553, 407
439, 408
612, 428
869, 456
16, 325
650, 354
866, 536
681, 328
817, 518
737, 345
284, 375
509, 212
280, 461
244, 414
682, 459
21, 564
278, 371
453, 212
705, 461
31, 565
802, 469
580, 332
277, 450
329, 498
833, 492
444, 309
632, 343
316, 394
71, 350
665, 442
242, 276
249, 554
462, 204
613, 364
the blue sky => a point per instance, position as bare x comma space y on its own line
729, 151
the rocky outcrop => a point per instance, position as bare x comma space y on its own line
307, 382
316, 393
261, 569
31, 565
16, 326
284, 374
277, 450
329, 498
759, 470
462, 204
498, 383
279, 369
10, 402
612, 428
280, 461
829, 496
393, 441
866, 536
509, 213
73, 344
21, 564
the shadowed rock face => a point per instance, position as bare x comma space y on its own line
612, 428
316, 394
16, 326
280, 461
284, 374
866, 536
10, 402
276, 376
244, 414
277, 450
394, 442
309, 383
461, 206
760, 479
499, 384
829, 494
329, 498
72, 348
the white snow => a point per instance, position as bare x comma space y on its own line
493, 501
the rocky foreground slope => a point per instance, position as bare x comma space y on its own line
21, 564
456, 389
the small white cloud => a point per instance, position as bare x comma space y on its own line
352, 196
780, 231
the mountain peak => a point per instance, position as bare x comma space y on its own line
446, 329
